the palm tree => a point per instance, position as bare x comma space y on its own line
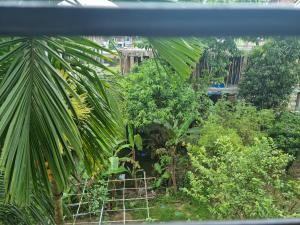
39, 125
41, 133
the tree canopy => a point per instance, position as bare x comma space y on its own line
153, 96
271, 74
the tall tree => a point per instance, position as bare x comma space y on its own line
271, 74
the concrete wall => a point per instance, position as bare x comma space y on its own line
294, 101
131, 56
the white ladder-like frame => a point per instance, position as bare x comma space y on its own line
101, 212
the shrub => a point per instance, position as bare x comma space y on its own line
239, 181
239, 120
286, 132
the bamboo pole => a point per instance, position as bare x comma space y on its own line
77, 211
146, 193
124, 209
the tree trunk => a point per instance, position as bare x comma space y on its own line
57, 199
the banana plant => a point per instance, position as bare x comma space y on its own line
125, 150
115, 167
162, 168
166, 167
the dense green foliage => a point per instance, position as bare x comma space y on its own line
171, 157
286, 132
271, 74
237, 170
237, 155
218, 53
242, 182
241, 120
153, 96
214, 62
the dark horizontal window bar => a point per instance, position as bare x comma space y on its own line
156, 20
240, 222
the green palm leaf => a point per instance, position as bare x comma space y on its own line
39, 211
181, 54
38, 121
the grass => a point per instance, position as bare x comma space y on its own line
115, 69
175, 207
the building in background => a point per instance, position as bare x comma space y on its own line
128, 55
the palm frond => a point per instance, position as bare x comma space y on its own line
100, 131
39, 211
38, 120
181, 54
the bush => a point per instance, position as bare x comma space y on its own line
286, 132
241, 182
239, 120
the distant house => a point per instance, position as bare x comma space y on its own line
118, 41
294, 102
132, 56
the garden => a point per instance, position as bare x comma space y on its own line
202, 130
